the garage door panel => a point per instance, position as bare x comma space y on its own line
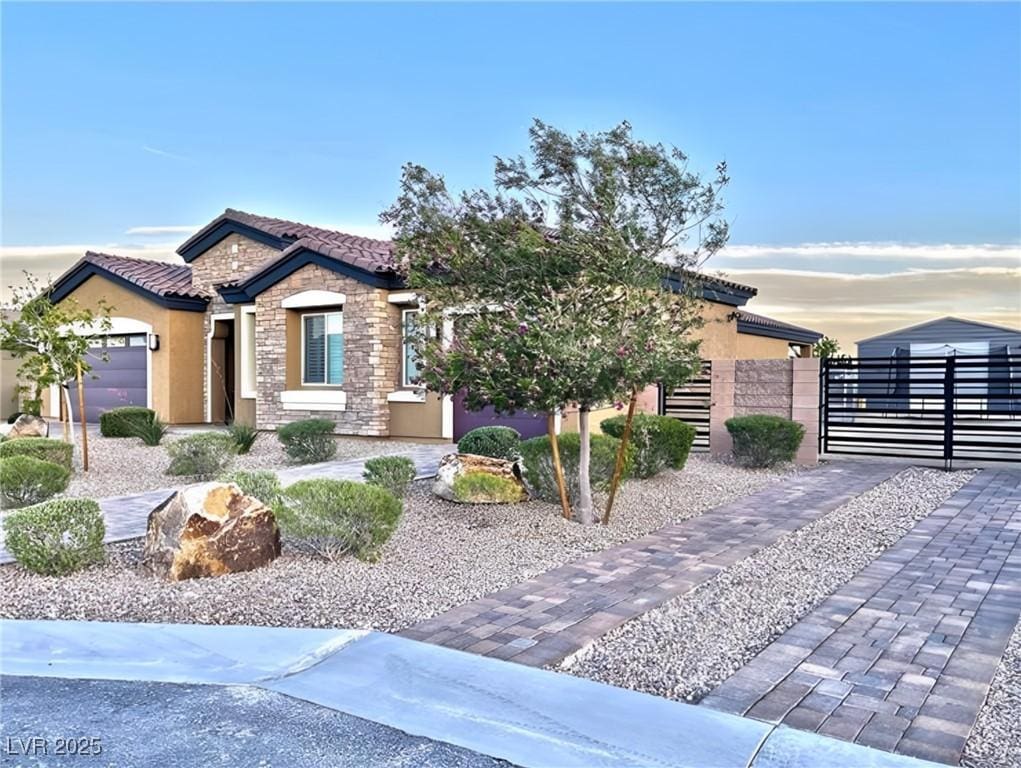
118, 381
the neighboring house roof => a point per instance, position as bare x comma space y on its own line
166, 284
948, 320
714, 288
760, 325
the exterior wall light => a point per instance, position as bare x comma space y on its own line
154, 342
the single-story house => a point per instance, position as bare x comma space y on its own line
269, 321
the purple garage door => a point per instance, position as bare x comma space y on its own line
527, 423
119, 380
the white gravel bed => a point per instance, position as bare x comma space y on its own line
687, 647
442, 555
995, 741
123, 465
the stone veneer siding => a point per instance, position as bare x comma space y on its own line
215, 266
372, 338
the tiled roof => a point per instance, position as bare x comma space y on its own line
796, 332
719, 281
360, 252
156, 277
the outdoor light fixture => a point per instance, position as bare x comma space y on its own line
154, 342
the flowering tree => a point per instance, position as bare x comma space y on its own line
51, 340
561, 283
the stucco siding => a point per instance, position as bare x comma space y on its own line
751, 347
418, 420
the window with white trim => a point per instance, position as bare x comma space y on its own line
409, 358
322, 348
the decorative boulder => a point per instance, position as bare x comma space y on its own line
27, 425
208, 530
471, 479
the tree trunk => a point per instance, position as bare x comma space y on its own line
81, 413
618, 467
586, 514
558, 468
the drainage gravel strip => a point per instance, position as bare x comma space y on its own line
995, 741
687, 647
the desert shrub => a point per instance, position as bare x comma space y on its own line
204, 454
151, 432
660, 442
483, 487
496, 442
261, 484
25, 480
243, 436
331, 518
537, 462
308, 441
764, 441
394, 473
42, 448
56, 537
125, 421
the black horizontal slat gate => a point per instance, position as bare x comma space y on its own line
690, 403
942, 408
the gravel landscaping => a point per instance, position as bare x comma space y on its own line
442, 555
687, 647
122, 465
995, 741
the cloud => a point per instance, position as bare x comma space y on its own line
163, 153
1007, 254
163, 230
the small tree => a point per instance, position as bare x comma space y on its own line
51, 340
826, 347
562, 285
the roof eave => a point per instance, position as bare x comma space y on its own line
803, 336
221, 227
84, 269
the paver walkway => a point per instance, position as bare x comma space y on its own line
543, 620
126, 516
902, 656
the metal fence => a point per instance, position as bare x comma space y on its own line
943, 408
690, 403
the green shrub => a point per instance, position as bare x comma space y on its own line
57, 537
484, 487
204, 454
151, 432
394, 473
243, 436
261, 484
537, 463
42, 448
660, 442
124, 422
25, 480
764, 441
308, 441
496, 442
334, 517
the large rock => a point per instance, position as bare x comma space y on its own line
208, 530
508, 489
27, 425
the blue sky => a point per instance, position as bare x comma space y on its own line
897, 125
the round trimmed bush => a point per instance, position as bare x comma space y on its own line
57, 537
764, 441
308, 441
25, 480
537, 463
42, 448
394, 473
660, 442
496, 442
125, 421
203, 455
331, 518
260, 484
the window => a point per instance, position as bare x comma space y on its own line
409, 360
322, 348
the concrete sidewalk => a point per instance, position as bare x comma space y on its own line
468, 704
126, 516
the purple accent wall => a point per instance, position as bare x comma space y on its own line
527, 423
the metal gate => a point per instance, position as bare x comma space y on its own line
690, 403
943, 408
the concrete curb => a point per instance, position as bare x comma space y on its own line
530, 717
